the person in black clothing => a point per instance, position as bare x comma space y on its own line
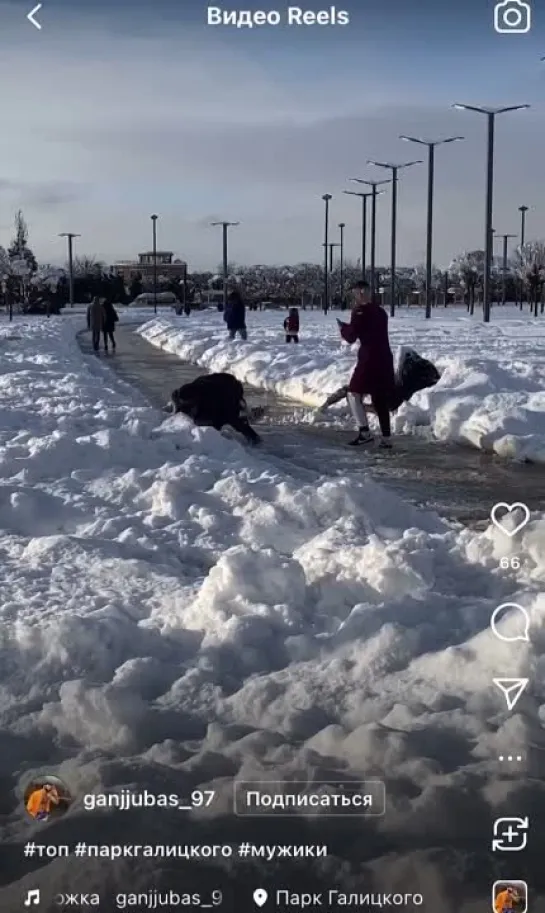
215, 400
109, 321
235, 315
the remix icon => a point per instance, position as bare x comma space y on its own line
510, 835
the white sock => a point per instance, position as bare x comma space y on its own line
357, 409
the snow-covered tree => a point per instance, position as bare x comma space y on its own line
19, 249
5, 265
529, 264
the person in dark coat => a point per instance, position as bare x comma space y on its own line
95, 321
215, 400
291, 325
235, 315
109, 321
374, 372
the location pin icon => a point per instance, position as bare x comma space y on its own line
260, 897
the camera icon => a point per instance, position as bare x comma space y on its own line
512, 17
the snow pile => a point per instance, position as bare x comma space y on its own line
491, 394
176, 613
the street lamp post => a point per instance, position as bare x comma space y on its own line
523, 210
154, 237
331, 246
70, 235
225, 226
431, 181
374, 194
488, 236
326, 198
505, 239
342, 226
363, 196
394, 170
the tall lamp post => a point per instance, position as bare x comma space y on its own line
505, 239
363, 197
225, 226
326, 198
394, 170
331, 247
342, 226
374, 194
70, 235
523, 210
431, 182
488, 236
154, 239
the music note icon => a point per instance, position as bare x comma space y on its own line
32, 897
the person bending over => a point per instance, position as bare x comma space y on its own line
215, 400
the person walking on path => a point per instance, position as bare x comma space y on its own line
291, 325
374, 372
235, 315
110, 318
95, 321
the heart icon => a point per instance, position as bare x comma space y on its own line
509, 509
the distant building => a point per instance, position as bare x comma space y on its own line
167, 267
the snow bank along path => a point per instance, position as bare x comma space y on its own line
178, 612
459, 482
491, 394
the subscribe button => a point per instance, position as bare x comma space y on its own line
331, 798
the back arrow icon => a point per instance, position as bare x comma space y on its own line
31, 15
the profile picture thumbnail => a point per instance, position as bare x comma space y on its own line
46, 797
510, 897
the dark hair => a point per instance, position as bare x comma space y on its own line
361, 283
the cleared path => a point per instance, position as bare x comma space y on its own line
460, 483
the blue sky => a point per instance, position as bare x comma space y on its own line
118, 111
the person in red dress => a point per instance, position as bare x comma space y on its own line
374, 372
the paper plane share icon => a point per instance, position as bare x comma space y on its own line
512, 689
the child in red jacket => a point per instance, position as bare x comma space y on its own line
291, 325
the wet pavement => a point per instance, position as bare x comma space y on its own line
460, 483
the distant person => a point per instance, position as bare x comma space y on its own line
291, 325
374, 372
95, 321
235, 315
109, 320
187, 308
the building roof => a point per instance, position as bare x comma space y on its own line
160, 253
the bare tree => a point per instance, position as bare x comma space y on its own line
86, 266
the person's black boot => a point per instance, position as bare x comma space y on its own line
364, 437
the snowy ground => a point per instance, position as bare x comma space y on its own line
177, 613
491, 394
